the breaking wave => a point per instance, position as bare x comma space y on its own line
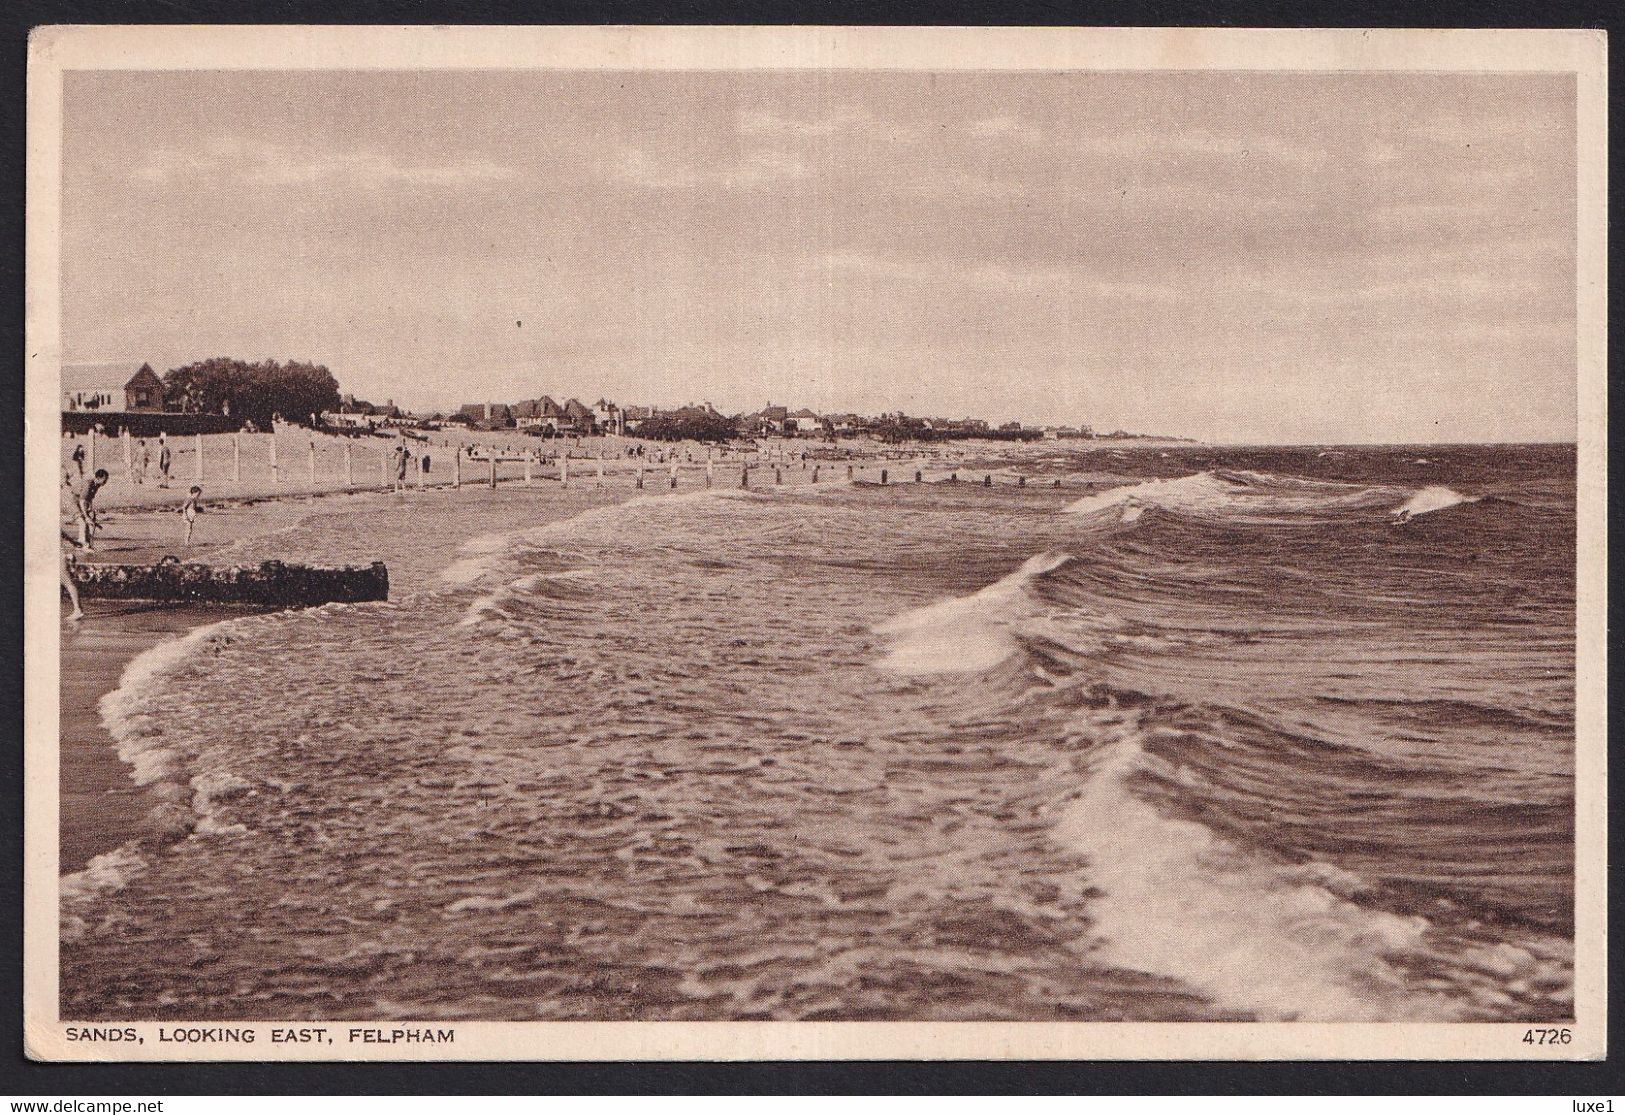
968, 633
1281, 942
1433, 498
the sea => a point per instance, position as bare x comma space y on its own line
1080, 734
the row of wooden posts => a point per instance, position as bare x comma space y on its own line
418, 475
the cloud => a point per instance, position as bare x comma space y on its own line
765, 122
1003, 279
1008, 128
256, 162
748, 169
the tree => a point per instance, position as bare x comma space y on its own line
690, 426
257, 392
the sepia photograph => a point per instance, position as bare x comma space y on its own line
932, 530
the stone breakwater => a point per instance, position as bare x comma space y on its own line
268, 584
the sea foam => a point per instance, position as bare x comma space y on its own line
1278, 941
1198, 489
1435, 497
122, 710
965, 634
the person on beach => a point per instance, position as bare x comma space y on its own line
85, 508
68, 584
191, 509
79, 460
163, 462
139, 461
402, 456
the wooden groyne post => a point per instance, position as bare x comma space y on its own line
311, 466
236, 458
640, 474
457, 468
492, 461
564, 469
276, 473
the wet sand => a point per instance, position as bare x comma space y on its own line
102, 807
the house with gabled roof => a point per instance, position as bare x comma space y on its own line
578, 418
487, 416
806, 422
109, 387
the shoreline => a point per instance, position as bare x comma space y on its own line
102, 808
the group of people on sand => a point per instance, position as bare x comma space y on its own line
141, 461
82, 491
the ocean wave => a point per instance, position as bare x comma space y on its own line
491, 603
965, 634
489, 555
138, 713
1435, 497
1233, 495
478, 557
1202, 488
127, 710
1285, 942
78, 893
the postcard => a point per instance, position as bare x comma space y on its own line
815, 543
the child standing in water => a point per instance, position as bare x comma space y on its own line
191, 509
163, 462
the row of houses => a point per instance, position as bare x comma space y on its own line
138, 389
545, 415
359, 414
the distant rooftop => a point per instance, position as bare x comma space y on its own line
84, 377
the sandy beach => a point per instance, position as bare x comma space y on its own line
295, 463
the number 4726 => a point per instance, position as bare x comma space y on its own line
1548, 1037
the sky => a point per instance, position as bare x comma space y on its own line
1265, 257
